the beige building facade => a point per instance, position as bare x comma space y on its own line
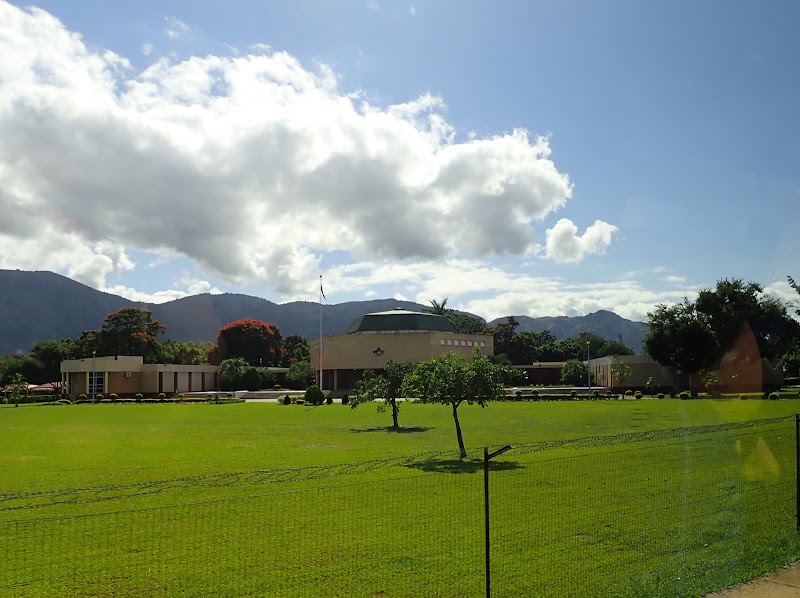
127, 375
397, 335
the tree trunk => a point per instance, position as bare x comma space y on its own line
462, 450
395, 409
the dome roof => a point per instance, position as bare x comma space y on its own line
396, 320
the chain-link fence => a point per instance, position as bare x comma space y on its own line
675, 512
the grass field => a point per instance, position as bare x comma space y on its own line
265, 499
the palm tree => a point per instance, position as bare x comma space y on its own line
438, 308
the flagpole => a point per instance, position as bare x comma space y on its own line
320, 330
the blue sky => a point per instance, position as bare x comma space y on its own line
519, 158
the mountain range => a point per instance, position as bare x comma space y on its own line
37, 306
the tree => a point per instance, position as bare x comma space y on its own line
295, 348
388, 388
44, 360
19, 387
438, 308
300, 375
231, 373
574, 373
735, 319
451, 379
503, 334
10, 365
681, 338
259, 343
620, 372
613, 348
186, 352
128, 331
465, 324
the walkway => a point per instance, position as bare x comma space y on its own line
783, 583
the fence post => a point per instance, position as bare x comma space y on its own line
797, 468
486, 516
486, 457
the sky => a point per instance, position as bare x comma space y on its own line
518, 157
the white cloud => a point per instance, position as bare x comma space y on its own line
176, 27
251, 166
412, 10
564, 244
147, 49
491, 292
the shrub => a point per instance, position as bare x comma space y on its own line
276, 387
161, 395
345, 400
287, 400
684, 395
595, 394
300, 402
138, 397
314, 395
114, 397
610, 393
82, 396
518, 395
774, 396
98, 397
534, 393
229, 395
181, 396
743, 397
573, 393
329, 400
629, 393
660, 395
637, 394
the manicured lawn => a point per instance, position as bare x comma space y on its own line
265, 499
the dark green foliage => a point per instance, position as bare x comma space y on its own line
10, 365
186, 352
314, 395
573, 393
345, 399
251, 379
329, 400
268, 380
450, 379
575, 373
629, 393
637, 394
45, 357
300, 375
684, 395
774, 396
660, 395
287, 400
128, 331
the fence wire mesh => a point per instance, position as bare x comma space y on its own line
672, 513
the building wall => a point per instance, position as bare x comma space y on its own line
128, 375
642, 368
346, 356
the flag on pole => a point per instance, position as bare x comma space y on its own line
321, 292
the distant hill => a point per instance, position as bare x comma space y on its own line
38, 306
604, 323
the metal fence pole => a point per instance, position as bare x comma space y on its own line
797, 468
486, 516
486, 457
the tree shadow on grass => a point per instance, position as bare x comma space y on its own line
392, 430
461, 465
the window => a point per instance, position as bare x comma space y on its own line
449, 341
441, 342
469, 343
483, 343
95, 382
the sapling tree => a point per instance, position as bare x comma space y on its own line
386, 389
451, 379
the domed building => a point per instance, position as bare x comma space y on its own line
375, 339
